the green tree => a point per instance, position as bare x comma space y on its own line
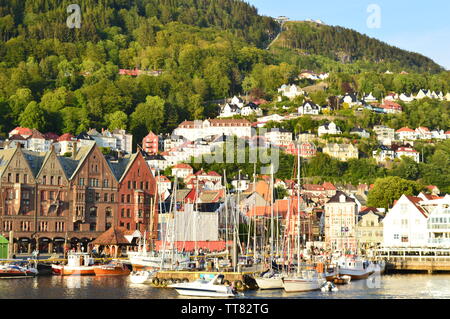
33, 117
116, 120
389, 189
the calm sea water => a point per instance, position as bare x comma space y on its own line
55, 287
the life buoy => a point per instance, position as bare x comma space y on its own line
226, 282
238, 284
185, 280
164, 283
155, 281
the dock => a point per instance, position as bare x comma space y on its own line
427, 260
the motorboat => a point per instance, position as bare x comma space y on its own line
15, 270
112, 269
269, 280
355, 268
213, 288
142, 276
81, 264
305, 280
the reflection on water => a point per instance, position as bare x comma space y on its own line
92, 287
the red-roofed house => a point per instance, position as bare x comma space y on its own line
164, 184
65, 144
434, 189
182, 170
423, 133
391, 107
406, 134
22, 131
409, 152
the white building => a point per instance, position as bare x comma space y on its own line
406, 134
406, 224
229, 110
385, 135
309, 108
383, 153
409, 152
201, 129
290, 91
279, 137
182, 170
329, 128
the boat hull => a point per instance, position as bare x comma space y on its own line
73, 271
269, 283
355, 274
299, 285
116, 271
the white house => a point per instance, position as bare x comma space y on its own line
406, 134
163, 183
229, 110
406, 97
424, 133
290, 91
406, 224
351, 100
385, 135
383, 153
279, 137
329, 128
370, 98
310, 108
182, 170
409, 152
251, 109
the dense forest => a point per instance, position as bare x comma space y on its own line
346, 45
54, 78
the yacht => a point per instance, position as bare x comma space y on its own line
17, 270
305, 280
205, 288
269, 280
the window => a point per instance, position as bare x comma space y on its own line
123, 198
396, 236
76, 226
9, 178
81, 182
105, 183
128, 198
93, 226
108, 226
108, 212
128, 213
25, 178
52, 180
405, 239
17, 178
129, 184
112, 198
97, 197
59, 180
105, 197
122, 213
93, 212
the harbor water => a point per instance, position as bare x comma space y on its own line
399, 286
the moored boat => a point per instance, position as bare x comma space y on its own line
306, 280
269, 280
342, 280
78, 264
213, 288
14, 271
112, 269
355, 268
141, 277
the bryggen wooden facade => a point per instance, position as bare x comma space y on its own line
47, 200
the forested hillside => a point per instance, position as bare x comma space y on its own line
346, 46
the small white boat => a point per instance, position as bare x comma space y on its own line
306, 280
81, 264
141, 277
329, 287
270, 280
205, 288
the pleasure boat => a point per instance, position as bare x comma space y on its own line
306, 280
16, 270
205, 288
269, 280
356, 268
81, 264
112, 269
151, 260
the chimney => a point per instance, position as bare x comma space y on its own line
75, 150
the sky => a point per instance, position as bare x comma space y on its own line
421, 26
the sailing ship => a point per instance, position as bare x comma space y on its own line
303, 279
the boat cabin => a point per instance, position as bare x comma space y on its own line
75, 259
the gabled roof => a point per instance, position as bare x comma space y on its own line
336, 198
113, 236
67, 137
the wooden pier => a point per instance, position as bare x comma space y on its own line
415, 259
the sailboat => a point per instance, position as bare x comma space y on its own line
304, 279
270, 279
167, 259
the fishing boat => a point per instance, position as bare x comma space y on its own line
112, 269
81, 264
213, 288
15, 270
356, 268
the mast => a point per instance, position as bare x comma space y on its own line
271, 216
298, 211
236, 227
254, 222
226, 214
